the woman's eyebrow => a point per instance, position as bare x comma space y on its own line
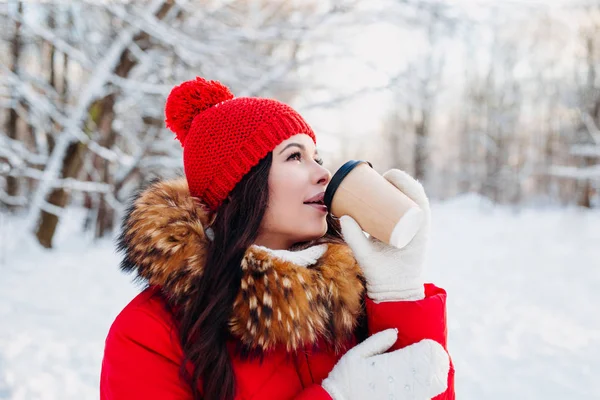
293, 144
301, 146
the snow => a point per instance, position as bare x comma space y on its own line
523, 299
522, 306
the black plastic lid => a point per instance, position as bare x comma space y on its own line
338, 177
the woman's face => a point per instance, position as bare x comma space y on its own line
297, 180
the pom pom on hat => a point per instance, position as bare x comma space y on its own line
188, 100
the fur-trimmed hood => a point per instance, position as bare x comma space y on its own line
286, 298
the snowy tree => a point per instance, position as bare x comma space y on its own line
95, 103
484, 105
585, 149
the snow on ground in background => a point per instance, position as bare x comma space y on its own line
55, 308
522, 306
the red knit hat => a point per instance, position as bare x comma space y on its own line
224, 137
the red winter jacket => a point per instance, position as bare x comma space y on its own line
317, 309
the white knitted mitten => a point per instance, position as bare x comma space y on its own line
418, 371
392, 274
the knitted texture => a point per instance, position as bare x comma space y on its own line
419, 371
224, 137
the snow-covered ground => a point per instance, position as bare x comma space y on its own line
524, 300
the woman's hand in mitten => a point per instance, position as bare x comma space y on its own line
418, 371
392, 274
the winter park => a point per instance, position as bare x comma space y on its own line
181, 215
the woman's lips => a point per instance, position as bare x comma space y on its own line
320, 207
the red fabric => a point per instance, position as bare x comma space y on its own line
313, 392
224, 137
415, 321
142, 354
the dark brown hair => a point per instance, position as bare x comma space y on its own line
204, 327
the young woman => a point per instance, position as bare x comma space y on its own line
253, 290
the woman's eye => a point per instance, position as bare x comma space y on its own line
298, 156
295, 156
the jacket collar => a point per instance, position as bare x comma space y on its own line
291, 299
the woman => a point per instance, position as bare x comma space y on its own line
254, 290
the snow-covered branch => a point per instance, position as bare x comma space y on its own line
45, 107
66, 183
16, 152
38, 29
586, 151
72, 127
591, 127
582, 173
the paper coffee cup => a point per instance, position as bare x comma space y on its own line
380, 209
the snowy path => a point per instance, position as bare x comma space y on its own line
523, 305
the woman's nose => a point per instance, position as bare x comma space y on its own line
324, 177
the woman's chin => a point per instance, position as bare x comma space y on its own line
313, 235
319, 234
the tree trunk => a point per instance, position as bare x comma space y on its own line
422, 133
103, 120
105, 116
101, 115
585, 194
12, 184
59, 197
586, 190
72, 162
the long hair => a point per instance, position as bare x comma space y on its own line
203, 328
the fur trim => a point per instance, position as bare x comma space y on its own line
284, 299
302, 258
